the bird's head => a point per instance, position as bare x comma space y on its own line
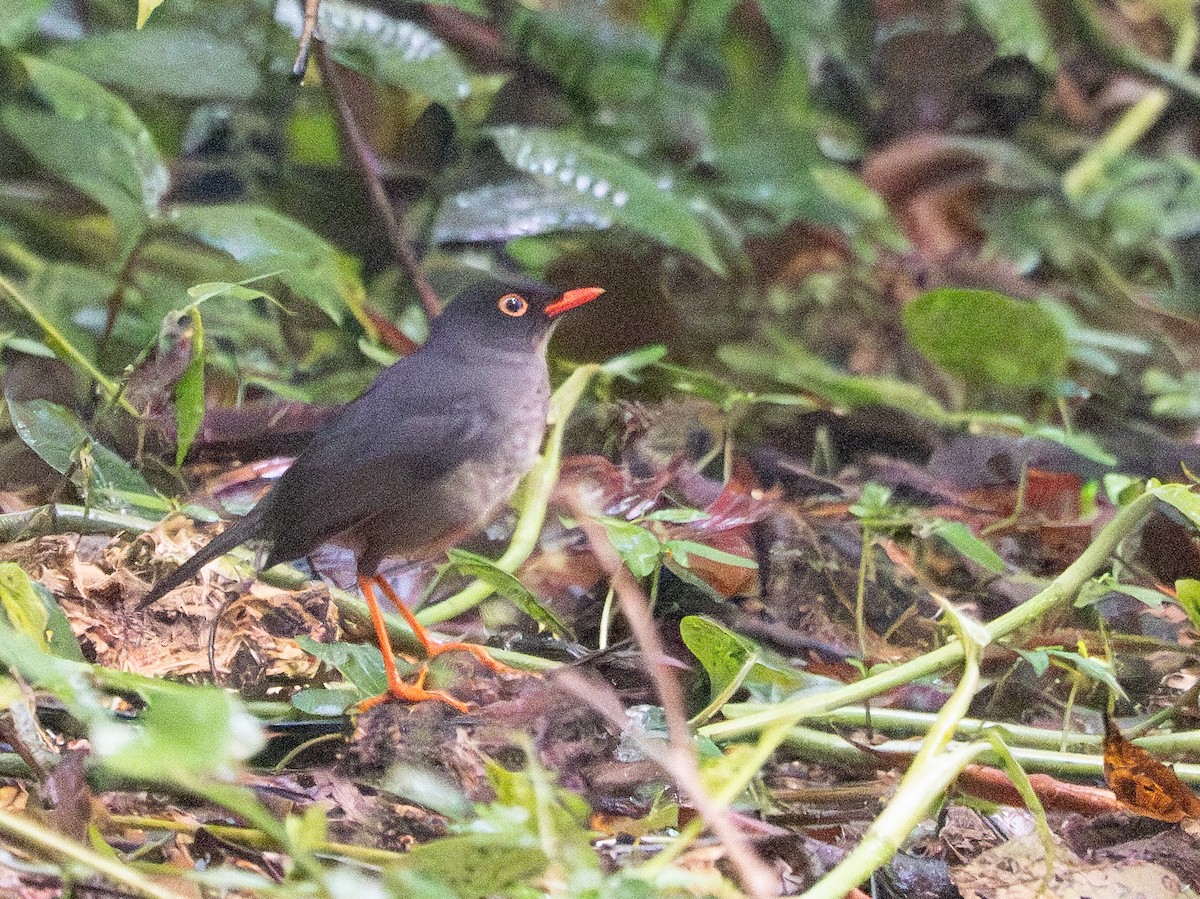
510, 315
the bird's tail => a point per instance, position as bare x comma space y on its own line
244, 529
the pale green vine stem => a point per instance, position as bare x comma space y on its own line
59, 846
934, 768
1061, 589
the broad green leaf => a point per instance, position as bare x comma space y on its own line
183, 731
1018, 28
1187, 594
639, 549
987, 338
1174, 397
614, 186
93, 140
57, 436
468, 866
359, 663
326, 702
22, 606
393, 51
18, 20
188, 63
262, 240
520, 207
959, 536
1182, 496
723, 653
789, 363
510, 588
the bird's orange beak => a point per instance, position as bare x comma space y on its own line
573, 298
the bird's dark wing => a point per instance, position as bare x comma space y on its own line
369, 459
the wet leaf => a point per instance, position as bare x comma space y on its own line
988, 338
608, 184
326, 702
393, 51
510, 588
521, 207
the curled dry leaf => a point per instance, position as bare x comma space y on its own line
1143, 784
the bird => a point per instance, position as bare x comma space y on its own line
427, 456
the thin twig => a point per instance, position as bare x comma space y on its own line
756, 878
300, 66
364, 160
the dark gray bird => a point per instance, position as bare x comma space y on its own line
422, 459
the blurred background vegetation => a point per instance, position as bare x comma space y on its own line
761, 186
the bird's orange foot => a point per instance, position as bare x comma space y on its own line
485, 658
414, 692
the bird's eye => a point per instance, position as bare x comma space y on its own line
513, 304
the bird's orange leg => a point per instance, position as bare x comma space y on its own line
433, 649
397, 688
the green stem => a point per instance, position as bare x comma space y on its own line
933, 770
63, 348
1133, 125
1060, 590
54, 519
56, 844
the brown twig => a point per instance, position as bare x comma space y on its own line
300, 66
364, 160
680, 758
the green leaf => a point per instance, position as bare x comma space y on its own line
678, 516
681, 549
1181, 496
61, 441
468, 866
326, 702
510, 588
91, 139
629, 365
520, 207
189, 394
614, 186
988, 338
18, 20
145, 7
723, 654
1095, 669
393, 51
1018, 29
359, 663
639, 549
183, 731
959, 536
262, 240
22, 606
1187, 594
188, 63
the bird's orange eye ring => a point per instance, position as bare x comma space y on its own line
513, 304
